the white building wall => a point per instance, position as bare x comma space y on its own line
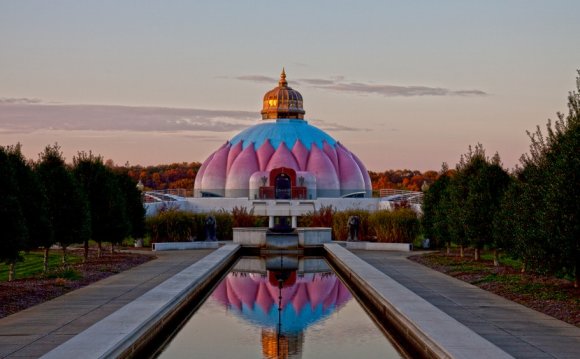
205, 205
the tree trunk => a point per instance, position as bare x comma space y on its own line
495, 257
99, 249
448, 248
11, 272
461, 251
45, 260
476, 254
577, 271
86, 245
63, 256
523, 267
112, 248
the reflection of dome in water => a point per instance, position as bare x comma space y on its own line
327, 168
312, 298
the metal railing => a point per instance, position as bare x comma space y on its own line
400, 195
165, 195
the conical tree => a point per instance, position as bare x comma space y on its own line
34, 203
107, 204
68, 206
13, 232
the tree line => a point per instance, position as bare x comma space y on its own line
47, 202
532, 214
182, 175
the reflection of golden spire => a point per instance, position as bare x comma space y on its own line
282, 81
281, 346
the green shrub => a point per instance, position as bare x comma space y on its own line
172, 225
400, 226
224, 221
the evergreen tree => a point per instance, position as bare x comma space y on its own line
67, 204
34, 203
133, 205
434, 218
13, 232
477, 190
107, 205
545, 200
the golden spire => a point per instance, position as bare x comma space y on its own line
282, 81
282, 102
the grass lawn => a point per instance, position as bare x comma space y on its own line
32, 264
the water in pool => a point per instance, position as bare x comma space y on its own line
280, 307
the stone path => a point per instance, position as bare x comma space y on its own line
37, 330
520, 331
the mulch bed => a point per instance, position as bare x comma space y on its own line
23, 293
553, 296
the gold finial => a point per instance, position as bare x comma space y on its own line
283, 81
282, 102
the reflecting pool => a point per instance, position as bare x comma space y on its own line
280, 307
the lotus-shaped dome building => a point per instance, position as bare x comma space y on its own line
283, 157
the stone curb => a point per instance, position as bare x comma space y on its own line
120, 333
433, 333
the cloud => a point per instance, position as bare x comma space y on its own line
334, 127
30, 117
338, 83
405, 91
11, 100
257, 78
318, 82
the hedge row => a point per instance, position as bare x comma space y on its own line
172, 225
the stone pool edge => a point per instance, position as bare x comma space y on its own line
431, 332
124, 332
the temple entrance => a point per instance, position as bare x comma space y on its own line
283, 186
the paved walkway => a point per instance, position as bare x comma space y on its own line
521, 332
39, 329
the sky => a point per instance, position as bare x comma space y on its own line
402, 84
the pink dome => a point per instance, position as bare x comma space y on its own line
283, 142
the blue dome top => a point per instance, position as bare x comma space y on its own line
283, 130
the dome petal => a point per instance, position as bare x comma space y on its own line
282, 158
365, 173
264, 153
214, 177
321, 166
234, 152
243, 166
351, 178
331, 153
199, 175
300, 152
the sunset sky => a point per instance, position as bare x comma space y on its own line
401, 84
